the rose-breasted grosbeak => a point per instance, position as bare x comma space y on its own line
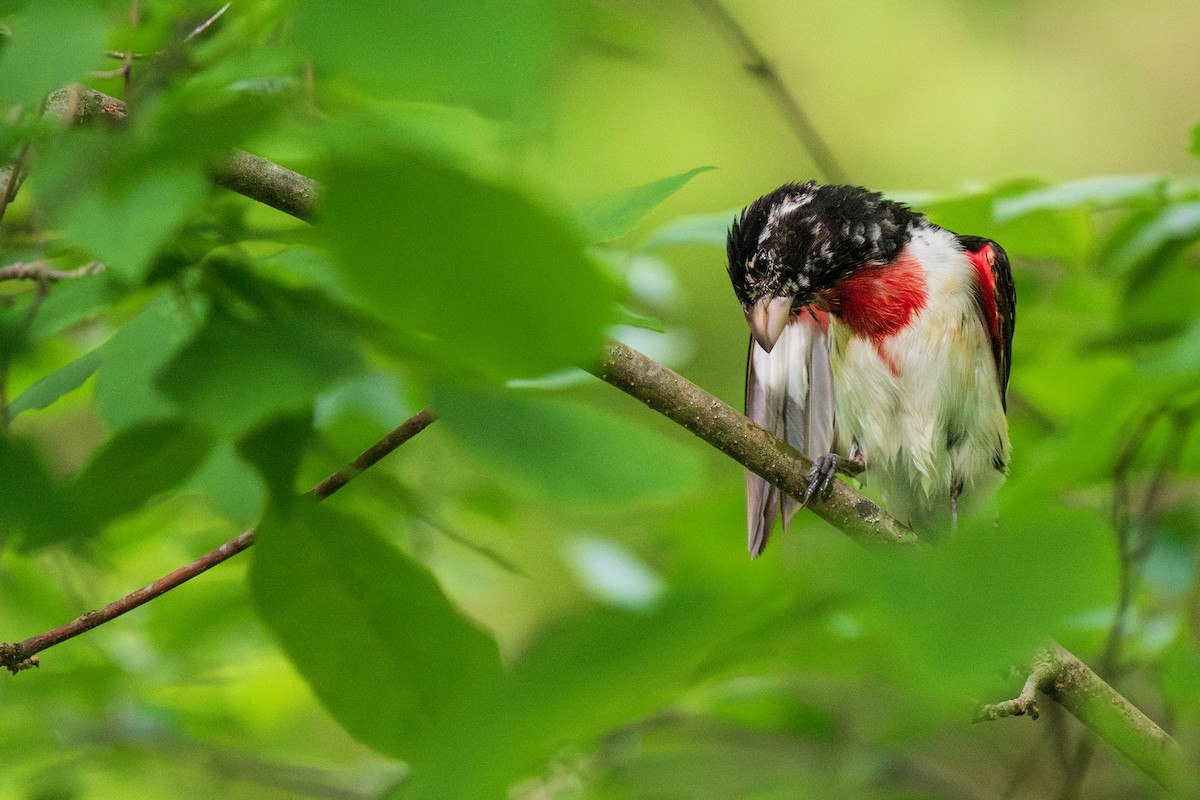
880, 342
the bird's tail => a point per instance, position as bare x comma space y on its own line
789, 391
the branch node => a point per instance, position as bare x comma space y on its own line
11, 658
1041, 677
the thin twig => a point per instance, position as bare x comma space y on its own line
135, 19
758, 66
40, 271
23, 655
203, 26
117, 54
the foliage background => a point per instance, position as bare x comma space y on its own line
229, 355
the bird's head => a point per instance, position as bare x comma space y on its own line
788, 248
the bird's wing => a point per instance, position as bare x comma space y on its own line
789, 391
997, 301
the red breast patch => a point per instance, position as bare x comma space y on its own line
877, 301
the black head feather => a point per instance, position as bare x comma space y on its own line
802, 238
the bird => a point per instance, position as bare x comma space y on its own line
881, 346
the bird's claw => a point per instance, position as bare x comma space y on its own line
820, 477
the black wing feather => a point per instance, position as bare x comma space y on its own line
1005, 297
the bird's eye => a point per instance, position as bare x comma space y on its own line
761, 255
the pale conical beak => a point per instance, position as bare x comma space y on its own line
768, 317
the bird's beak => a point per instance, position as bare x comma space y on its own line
768, 317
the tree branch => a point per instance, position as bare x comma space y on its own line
267, 182
19, 656
732, 433
1114, 719
249, 175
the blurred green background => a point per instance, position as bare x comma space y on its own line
546, 594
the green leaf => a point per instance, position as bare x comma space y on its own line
709, 230
630, 317
126, 223
140, 462
950, 616
1090, 193
569, 453
275, 449
70, 302
614, 215
1039, 232
494, 55
370, 630
475, 272
1174, 226
577, 682
53, 43
232, 486
1180, 357
1195, 148
234, 374
63, 380
33, 507
124, 390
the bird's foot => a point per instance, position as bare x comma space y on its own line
820, 477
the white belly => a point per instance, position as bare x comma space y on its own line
924, 404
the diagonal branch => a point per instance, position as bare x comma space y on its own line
758, 450
19, 656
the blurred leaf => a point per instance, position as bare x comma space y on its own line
123, 192
950, 616
1041, 230
125, 393
383, 649
70, 302
710, 230
1195, 148
614, 215
761, 703
138, 463
53, 43
570, 453
630, 317
1157, 238
125, 225
232, 486
493, 55
32, 505
492, 278
1181, 356
1089, 193
699, 759
63, 380
275, 449
235, 374
584, 678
